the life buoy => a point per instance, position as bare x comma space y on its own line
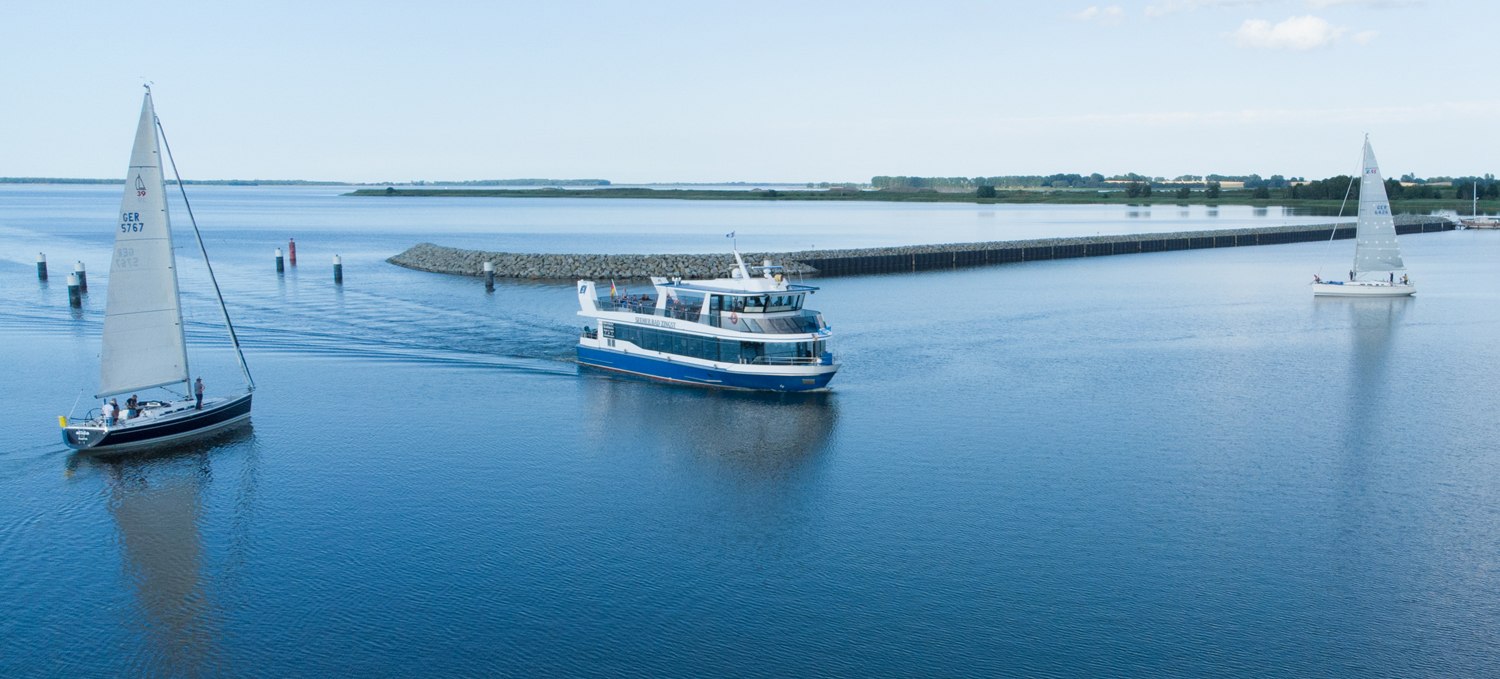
734, 318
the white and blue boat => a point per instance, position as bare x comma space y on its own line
748, 330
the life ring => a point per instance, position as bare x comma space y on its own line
734, 318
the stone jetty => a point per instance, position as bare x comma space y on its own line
439, 259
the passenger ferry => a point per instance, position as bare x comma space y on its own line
746, 331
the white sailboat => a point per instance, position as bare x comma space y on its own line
1378, 270
143, 345
1475, 221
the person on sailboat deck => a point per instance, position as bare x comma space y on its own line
198, 392
108, 411
132, 404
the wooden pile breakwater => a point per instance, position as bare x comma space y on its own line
862, 261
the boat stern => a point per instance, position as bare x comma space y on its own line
83, 437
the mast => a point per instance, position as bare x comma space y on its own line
233, 337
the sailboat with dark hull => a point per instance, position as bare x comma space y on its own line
143, 344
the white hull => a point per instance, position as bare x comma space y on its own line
1363, 289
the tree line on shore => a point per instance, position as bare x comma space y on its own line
1132, 185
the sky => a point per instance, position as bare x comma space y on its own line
769, 91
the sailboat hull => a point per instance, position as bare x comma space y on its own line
1363, 289
173, 427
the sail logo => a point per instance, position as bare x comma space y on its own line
140, 187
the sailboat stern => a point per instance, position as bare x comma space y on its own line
83, 437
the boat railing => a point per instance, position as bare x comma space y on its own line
805, 321
647, 309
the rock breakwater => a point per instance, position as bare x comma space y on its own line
440, 259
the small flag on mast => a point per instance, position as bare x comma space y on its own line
729, 235
611, 287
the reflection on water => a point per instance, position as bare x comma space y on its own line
1372, 325
156, 501
751, 435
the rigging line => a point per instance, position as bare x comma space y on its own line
1335, 230
233, 337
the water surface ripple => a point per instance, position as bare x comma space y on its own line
1174, 464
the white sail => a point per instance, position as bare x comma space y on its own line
1375, 248
143, 340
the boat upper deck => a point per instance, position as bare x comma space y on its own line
802, 321
751, 299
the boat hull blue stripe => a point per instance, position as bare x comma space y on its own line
686, 373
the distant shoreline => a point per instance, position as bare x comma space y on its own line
849, 195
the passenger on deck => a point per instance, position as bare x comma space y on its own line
111, 412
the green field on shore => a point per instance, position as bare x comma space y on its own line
1228, 197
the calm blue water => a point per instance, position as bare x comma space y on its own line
1166, 464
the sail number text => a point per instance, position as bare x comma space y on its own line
125, 258
130, 222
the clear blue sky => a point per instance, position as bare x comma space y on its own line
770, 91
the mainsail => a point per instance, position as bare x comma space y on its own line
143, 340
1375, 248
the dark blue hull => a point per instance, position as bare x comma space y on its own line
684, 373
170, 429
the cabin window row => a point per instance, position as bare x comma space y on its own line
715, 349
754, 303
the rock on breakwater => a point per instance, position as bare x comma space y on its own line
440, 259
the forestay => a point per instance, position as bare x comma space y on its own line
1375, 248
143, 344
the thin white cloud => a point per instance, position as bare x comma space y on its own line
1166, 7
1297, 34
1373, 4
1106, 15
1436, 112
